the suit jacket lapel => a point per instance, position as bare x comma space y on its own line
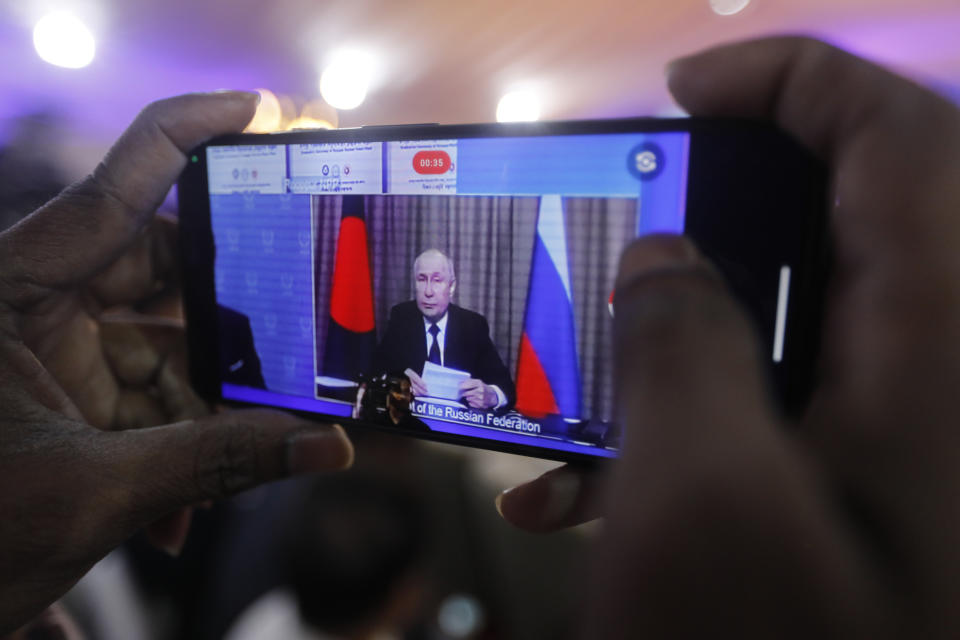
420, 350
451, 342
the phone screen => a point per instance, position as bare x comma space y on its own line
484, 267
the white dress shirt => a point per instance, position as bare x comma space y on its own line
442, 340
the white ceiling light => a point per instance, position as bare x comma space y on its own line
728, 7
518, 106
345, 81
63, 40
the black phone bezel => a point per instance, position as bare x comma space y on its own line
734, 166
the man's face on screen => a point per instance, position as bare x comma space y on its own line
434, 285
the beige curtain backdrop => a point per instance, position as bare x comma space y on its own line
490, 240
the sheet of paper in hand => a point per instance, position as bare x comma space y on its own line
443, 382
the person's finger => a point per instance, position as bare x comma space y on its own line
137, 409
709, 497
560, 498
54, 623
71, 351
91, 223
416, 383
146, 269
471, 386
786, 80
135, 348
165, 468
169, 533
147, 356
892, 148
179, 399
852, 114
890, 337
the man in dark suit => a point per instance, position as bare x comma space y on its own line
431, 329
239, 362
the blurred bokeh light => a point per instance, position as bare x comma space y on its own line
320, 110
61, 39
345, 81
728, 7
430, 61
518, 106
306, 122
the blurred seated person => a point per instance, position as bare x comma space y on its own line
239, 362
354, 566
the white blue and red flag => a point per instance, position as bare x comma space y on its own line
548, 374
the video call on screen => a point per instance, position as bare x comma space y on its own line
484, 266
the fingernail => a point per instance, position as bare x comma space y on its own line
564, 489
498, 501
237, 93
319, 449
172, 549
548, 499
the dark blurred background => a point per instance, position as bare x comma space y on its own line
408, 544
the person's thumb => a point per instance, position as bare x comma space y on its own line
164, 468
688, 379
685, 352
709, 482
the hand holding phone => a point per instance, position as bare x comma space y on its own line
720, 505
74, 375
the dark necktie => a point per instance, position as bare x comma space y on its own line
434, 355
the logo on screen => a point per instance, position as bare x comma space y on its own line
645, 161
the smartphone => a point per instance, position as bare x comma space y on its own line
456, 283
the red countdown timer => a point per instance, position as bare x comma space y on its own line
436, 161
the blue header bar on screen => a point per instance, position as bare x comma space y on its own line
588, 165
598, 165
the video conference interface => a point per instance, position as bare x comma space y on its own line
455, 286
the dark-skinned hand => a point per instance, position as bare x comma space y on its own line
723, 520
90, 347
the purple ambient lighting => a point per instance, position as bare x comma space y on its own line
902, 40
102, 99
